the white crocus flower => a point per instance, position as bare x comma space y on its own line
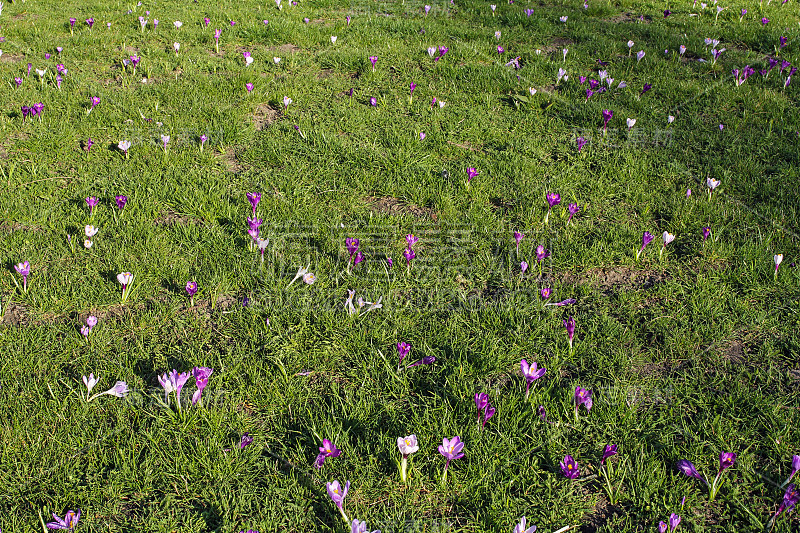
90, 382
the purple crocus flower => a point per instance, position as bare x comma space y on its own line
569, 467
607, 116
201, 375
69, 522
90, 21
121, 200
573, 210
451, 449
24, 270
545, 293
337, 493
358, 258
706, 233
92, 201
583, 397
373, 60
246, 440
471, 173
487, 414
646, 88
790, 498
18, 81
427, 360
409, 254
674, 520
764, 21
30, 66
523, 266
647, 238
373, 102
412, 87
610, 450
531, 373
411, 240
481, 400
254, 198
500, 49
569, 325
328, 449
94, 101
403, 349
667, 13
89, 143
581, 142
686, 466
784, 41
177, 381
518, 238
249, 87
191, 289
726, 460
72, 22
352, 246
541, 253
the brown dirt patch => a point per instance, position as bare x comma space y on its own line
558, 44
287, 48
466, 146
264, 115
14, 315
11, 58
171, 218
325, 74
628, 17
16, 226
616, 278
735, 351
389, 205
230, 161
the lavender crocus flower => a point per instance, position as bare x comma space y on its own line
203, 140
541, 253
647, 238
569, 325
409, 254
24, 270
69, 522
411, 240
569, 467
531, 373
674, 520
18, 81
373, 60
249, 87
481, 400
545, 293
487, 414
573, 210
337, 493
581, 142
451, 450
328, 449
124, 146
217, 34
523, 266
639, 55
790, 498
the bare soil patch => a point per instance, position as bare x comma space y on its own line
11, 58
608, 279
389, 205
557, 44
628, 17
16, 226
264, 115
15, 315
171, 218
231, 162
287, 48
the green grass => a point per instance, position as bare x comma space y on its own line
688, 355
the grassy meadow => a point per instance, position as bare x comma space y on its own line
690, 349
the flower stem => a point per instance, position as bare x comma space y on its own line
403, 473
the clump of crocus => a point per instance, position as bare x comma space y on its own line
582, 397
24, 270
569, 325
407, 446
726, 460
337, 493
191, 290
531, 374
70, 520
328, 449
553, 199
666, 238
674, 520
778, 260
173, 382
482, 403
569, 467
126, 280
120, 388
89, 231
647, 238
91, 322
451, 450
